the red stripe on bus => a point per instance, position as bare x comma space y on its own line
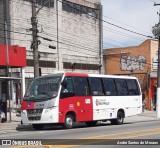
27, 105
81, 106
76, 74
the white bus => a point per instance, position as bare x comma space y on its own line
66, 98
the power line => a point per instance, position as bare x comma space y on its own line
73, 45
15, 39
125, 24
65, 39
79, 37
83, 36
15, 32
107, 21
62, 12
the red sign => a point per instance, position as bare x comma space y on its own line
16, 56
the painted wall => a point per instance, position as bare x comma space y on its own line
128, 60
137, 61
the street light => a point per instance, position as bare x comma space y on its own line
156, 32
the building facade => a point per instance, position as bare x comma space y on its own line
139, 61
72, 26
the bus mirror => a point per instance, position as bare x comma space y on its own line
64, 83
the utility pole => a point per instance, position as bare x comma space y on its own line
156, 32
7, 42
101, 65
35, 39
7, 69
58, 56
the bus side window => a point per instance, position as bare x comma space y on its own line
67, 88
109, 86
121, 86
132, 87
81, 86
96, 86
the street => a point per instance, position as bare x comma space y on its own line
128, 133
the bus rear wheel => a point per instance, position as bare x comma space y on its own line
38, 126
119, 120
69, 121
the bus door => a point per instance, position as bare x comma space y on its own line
100, 102
75, 97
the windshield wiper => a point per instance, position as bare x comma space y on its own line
47, 94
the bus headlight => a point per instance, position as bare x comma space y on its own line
23, 112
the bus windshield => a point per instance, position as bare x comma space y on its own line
43, 88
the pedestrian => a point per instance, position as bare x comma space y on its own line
2, 114
143, 102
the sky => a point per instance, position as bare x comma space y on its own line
137, 16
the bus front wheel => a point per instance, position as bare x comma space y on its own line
119, 120
38, 126
69, 121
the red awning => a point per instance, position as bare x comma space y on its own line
16, 56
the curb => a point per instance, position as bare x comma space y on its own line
21, 126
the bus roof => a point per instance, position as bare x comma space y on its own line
112, 76
98, 75
87, 75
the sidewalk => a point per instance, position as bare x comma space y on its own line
15, 123
145, 116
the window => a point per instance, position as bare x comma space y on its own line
44, 85
133, 87
109, 86
96, 86
121, 87
67, 6
84, 10
45, 3
68, 89
78, 9
69, 85
81, 86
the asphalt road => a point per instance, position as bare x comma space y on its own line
128, 135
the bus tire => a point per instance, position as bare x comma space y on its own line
69, 121
37, 126
119, 120
91, 123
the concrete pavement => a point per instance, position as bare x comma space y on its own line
15, 123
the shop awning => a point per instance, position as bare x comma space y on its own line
10, 78
16, 56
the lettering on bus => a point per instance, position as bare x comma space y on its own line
71, 106
48, 80
39, 105
101, 102
88, 101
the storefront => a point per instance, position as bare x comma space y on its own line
12, 76
152, 91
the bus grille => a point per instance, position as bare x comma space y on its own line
34, 114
